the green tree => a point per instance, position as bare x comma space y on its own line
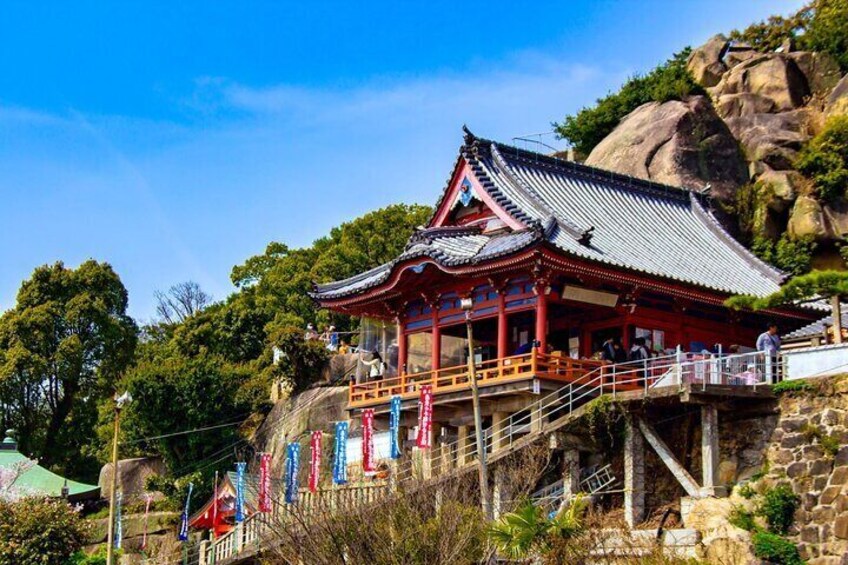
40, 531
62, 348
826, 30
172, 393
669, 81
825, 159
528, 532
768, 35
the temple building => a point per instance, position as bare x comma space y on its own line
35, 480
554, 259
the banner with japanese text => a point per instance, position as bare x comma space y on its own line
425, 418
369, 463
340, 454
184, 517
241, 466
292, 468
394, 427
315, 446
264, 482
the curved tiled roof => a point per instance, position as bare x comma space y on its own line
597, 215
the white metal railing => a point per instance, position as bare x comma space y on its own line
678, 369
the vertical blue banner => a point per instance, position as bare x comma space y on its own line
119, 523
184, 517
292, 468
340, 454
240, 468
394, 427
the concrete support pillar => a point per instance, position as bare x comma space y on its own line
570, 473
203, 557
536, 419
430, 457
500, 493
709, 449
463, 445
500, 421
634, 474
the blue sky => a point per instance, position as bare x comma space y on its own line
176, 139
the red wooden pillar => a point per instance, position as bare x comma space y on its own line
542, 320
401, 339
436, 348
503, 330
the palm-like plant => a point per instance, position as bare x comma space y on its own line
528, 532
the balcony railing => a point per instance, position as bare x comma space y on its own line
489, 373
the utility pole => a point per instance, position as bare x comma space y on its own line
467, 304
110, 542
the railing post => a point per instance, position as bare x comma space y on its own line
645, 374
614, 372
203, 558
237, 532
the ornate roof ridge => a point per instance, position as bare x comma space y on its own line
573, 167
426, 235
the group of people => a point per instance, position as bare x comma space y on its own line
330, 338
613, 352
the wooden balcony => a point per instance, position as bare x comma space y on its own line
490, 373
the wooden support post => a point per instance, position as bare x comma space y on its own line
401, 333
836, 312
463, 445
666, 456
436, 346
432, 457
634, 474
710, 450
503, 329
542, 319
203, 557
499, 431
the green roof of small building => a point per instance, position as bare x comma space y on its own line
39, 480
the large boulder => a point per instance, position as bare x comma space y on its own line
836, 219
807, 219
772, 76
705, 63
820, 69
683, 143
132, 475
837, 101
773, 139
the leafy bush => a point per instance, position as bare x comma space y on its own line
747, 491
776, 549
821, 25
43, 531
99, 558
825, 159
791, 387
669, 81
768, 35
742, 519
828, 443
795, 256
778, 506
827, 29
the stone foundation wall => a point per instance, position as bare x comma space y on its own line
817, 473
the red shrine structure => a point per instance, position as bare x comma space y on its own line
557, 258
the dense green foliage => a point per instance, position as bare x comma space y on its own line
40, 532
776, 549
529, 532
791, 387
825, 159
794, 256
821, 25
669, 81
823, 284
778, 506
62, 348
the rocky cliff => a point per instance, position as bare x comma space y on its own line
743, 139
